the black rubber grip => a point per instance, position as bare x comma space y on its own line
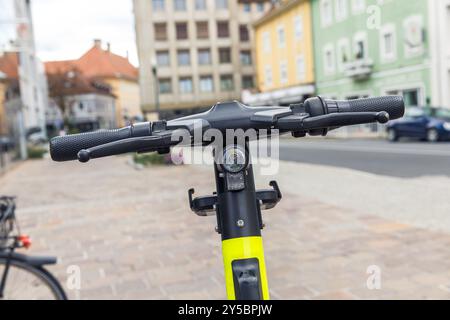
393, 105
66, 148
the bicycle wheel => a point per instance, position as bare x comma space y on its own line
27, 282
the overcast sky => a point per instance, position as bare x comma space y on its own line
65, 29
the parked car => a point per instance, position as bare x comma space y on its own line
36, 136
428, 124
6, 143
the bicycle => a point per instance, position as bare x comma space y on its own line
22, 277
236, 203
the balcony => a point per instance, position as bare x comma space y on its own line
360, 69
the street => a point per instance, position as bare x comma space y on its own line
401, 159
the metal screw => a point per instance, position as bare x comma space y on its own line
240, 223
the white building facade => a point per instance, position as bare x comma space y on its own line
439, 11
32, 79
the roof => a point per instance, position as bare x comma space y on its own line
277, 9
103, 63
96, 63
75, 83
53, 67
9, 65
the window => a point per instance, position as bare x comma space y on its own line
301, 68
341, 9
298, 27
247, 7
165, 85
226, 82
358, 6
206, 84
180, 5
162, 58
247, 82
388, 43
181, 30
412, 98
202, 30
222, 4
268, 76
343, 53
246, 57
184, 58
266, 42
204, 57
223, 30
329, 59
414, 36
281, 36
260, 6
158, 5
243, 33
359, 50
225, 55
185, 84
160, 31
326, 12
283, 72
35, 94
360, 46
200, 5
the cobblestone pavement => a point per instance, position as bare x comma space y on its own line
133, 236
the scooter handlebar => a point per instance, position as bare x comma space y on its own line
393, 105
66, 148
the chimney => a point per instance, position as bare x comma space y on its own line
98, 43
108, 47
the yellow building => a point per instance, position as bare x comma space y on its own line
284, 55
127, 99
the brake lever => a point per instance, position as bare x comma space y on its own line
334, 120
137, 144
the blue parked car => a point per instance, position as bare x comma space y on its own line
428, 124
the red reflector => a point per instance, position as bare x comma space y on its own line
25, 240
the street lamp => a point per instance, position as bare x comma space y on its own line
156, 87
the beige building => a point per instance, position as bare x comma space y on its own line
200, 51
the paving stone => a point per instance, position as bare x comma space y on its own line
133, 236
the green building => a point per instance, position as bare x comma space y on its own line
372, 47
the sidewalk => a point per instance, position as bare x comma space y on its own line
6, 163
133, 236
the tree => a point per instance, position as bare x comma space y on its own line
61, 85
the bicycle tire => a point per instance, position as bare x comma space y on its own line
40, 273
